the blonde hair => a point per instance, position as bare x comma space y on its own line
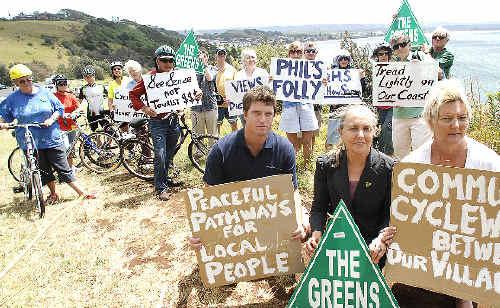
444, 92
441, 32
133, 65
247, 52
341, 115
295, 45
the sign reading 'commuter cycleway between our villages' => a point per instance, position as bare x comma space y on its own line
170, 91
245, 228
403, 84
341, 273
297, 80
448, 226
236, 89
123, 111
187, 56
343, 87
406, 22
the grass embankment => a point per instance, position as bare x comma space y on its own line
126, 248
22, 41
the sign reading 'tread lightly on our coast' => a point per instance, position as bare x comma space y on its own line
406, 22
245, 228
448, 229
341, 273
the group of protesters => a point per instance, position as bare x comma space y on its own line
363, 144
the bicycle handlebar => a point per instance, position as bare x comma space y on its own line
34, 124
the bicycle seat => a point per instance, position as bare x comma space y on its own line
139, 123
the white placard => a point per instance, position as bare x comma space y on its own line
123, 111
343, 87
236, 89
403, 84
171, 91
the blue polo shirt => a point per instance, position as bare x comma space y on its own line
29, 108
230, 159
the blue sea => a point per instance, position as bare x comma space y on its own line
477, 56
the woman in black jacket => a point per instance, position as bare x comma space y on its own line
358, 174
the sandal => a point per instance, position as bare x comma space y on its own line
51, 199
89, 196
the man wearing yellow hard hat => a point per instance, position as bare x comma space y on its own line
34, 104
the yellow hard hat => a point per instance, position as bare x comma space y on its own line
19, 70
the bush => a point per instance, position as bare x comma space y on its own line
4, 75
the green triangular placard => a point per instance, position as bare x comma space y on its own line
341, 273
406, 22
187, 54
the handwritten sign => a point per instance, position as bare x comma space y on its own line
343, 87
187, 56
455, 214
236, 89
170, 91
297, 80
403, 84
407, 23
341, 273
123, 111
245, 228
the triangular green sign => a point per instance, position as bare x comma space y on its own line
341, 273
187, 54
407, 23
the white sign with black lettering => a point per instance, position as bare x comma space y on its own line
123, 111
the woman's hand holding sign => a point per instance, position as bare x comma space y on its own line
149, 111
313, 242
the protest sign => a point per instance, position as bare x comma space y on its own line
297, 80
344, 87
448, 225
245, 228
187, 56
407, 23
170, 91
403, 84
236, 89
341, 273
123, 111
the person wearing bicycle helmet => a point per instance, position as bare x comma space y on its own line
95, 95
34, 104
164, 126
118, 82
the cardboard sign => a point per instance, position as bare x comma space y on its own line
344, 87
236, 89
403, 84
170, 91
448, 229
123, 111
245, 228
297, 80
407, 23
187, 56
341, 273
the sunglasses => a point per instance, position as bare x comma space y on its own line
295, 51
167, 60
62, 83
441, 37
25, 81
382, 53
312, 50
400, 45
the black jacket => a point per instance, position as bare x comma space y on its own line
370, 206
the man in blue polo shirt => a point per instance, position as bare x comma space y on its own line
254, 151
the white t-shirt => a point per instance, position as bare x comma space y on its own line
259, 76
479, 156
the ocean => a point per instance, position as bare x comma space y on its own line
477, 56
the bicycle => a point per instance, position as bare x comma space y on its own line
29, 174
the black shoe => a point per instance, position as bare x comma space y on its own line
172, 183
18, 189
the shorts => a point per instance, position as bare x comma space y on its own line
298, 118
332, 133
68, 138
223, 112
54, 159
96, 120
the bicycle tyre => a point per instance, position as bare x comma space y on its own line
135, 161
99, 156
36, 183
16, 154
198, 150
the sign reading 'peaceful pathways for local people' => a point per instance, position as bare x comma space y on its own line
245, 228
455, 213
187, 56
341, 273
123, 111
407, 23
170, 91
406, 84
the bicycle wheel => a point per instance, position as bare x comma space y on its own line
15, 163
137, 157
198, 150
36, 184
100, 152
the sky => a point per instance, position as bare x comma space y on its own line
223, 14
